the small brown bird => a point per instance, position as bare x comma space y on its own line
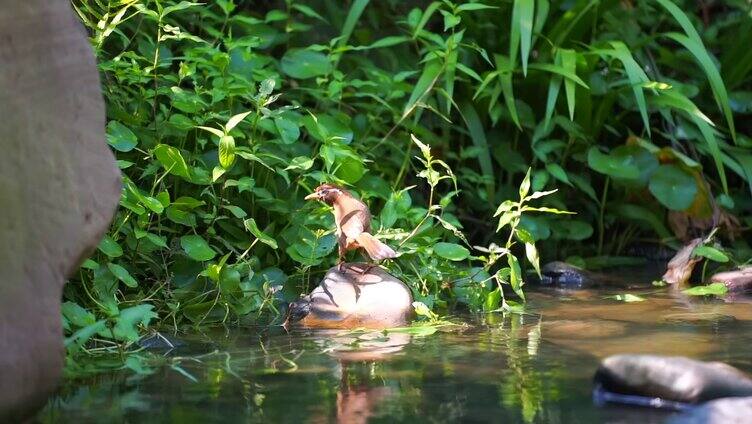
353, 221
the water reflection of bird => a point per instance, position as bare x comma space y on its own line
353, 221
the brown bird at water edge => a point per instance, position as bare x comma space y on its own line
353, 221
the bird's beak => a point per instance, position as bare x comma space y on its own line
312, 196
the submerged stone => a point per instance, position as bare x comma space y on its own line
738, 280
721, 411
671, 378
357, 296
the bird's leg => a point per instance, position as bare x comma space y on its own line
342, 249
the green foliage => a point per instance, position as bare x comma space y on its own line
224, 115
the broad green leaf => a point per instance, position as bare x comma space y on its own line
243, 184
451, 251
525, 185
197, 248
492, 300
177, 7
127, 323
235, 120
611, 165
172, 160
250, 225
525, 23
558, 172
302, 163
289, 132
215, 131
237, 211
120, 137
515, 276
226, 151
532, 256
110, 247
711, 253
77, 315
122, 274
305, 63
674, 188
716, 289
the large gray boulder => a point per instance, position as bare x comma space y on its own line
59, 186
358, 296
671, 378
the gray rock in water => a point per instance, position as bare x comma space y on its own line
721, 411
59, 186
357, 296
672, 378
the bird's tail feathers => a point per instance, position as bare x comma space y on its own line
375, 248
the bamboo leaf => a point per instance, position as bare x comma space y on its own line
693, 43
569, 63
478, 136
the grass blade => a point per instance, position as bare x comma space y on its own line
504, 65
424, 85
478, 136
556, 69
694, 44
525, 23
636, 77
569, 63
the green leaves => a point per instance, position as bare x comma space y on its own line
673, 187
250, 225
521, 31
122, 274
110, 247
431, 72
226, 151
451, 251
614, 166
120, 137
172, 160
714, 289
693, 43
197, 248
305, 63
711, 253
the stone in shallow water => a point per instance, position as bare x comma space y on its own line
721, 411
672, 378
355, 297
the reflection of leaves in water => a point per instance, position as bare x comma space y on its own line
525, 386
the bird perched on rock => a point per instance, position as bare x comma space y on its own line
353, 221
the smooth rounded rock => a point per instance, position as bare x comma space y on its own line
672, 378
722, 411
358, 296
59, 186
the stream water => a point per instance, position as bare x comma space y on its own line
535, 367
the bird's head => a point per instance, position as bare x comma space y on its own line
327, 193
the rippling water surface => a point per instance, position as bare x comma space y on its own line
535, 367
